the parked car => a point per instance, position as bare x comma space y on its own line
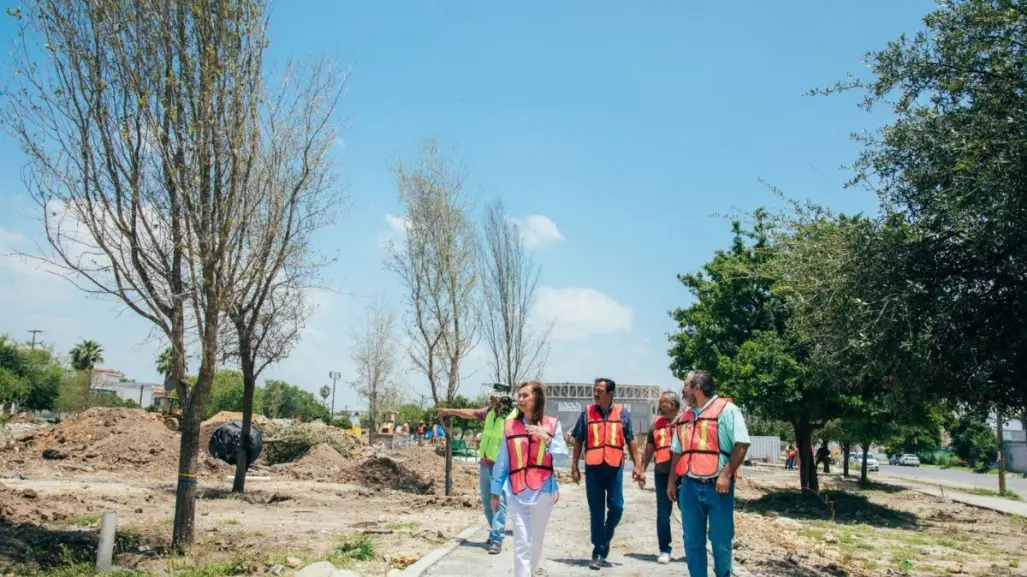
856, 459
909, 460
872, 463
894, 459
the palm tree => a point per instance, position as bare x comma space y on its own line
325, 391
86, 355
164, 362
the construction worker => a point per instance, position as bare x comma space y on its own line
657, 447
604, 430
523, 474
708, 450
491, 438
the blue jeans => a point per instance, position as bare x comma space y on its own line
604, 488
663, 508
699, 503
497, 520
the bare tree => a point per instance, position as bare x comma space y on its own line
292, 196
436, 265
376, 356
141, 128
508, 282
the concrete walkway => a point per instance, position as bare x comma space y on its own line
951, 491
567, 546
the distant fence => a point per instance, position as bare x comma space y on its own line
764, 449
1016, 456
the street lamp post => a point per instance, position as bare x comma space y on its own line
334, 376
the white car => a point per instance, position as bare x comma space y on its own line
909, 460
857, 460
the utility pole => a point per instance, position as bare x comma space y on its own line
334, 376
34, 333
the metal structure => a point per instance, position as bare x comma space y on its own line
566, 401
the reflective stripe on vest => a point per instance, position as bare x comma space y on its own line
700, 441
604, 439
530, 465
491, 436
663, 437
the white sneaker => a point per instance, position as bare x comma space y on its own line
663, 559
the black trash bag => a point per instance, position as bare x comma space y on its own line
225, 441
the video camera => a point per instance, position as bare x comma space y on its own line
506, 400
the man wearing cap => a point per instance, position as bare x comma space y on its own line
491, 437
603, 432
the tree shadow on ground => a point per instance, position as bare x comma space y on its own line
781, 567
39, 548
582, 562
853, 484
838, 506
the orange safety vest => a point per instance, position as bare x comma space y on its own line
700, 441
663, 436
530, 465
604, 440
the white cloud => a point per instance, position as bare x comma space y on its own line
579, 313
538, 231
397, 223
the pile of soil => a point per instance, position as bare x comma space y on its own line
319, 462
433, 466
111, 438
386, 473
26, 506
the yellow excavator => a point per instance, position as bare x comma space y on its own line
171, 409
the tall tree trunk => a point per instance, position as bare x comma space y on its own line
807, 466
846, 446
249, 381
449, 455
184, 532
863, 468
1001, 454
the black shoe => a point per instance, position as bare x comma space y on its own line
495, 548
488, 541
596, 563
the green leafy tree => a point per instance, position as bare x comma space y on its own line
226, 394
325, 392
411, 414
974, 441
29, 377
737, 328
163, 363
282, 400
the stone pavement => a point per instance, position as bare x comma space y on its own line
567, 545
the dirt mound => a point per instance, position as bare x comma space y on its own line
320, 462
111, 438
386, 473
27, 506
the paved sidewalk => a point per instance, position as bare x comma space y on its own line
567, 545
951, 491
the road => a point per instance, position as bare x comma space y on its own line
956, 478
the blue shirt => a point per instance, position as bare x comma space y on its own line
501, 470
581, 428
731, 429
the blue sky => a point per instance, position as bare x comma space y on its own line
613, 130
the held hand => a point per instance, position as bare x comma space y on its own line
576, 476
640, 479
723, 483
495, 503
539, 433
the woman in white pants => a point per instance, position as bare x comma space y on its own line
524, 472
